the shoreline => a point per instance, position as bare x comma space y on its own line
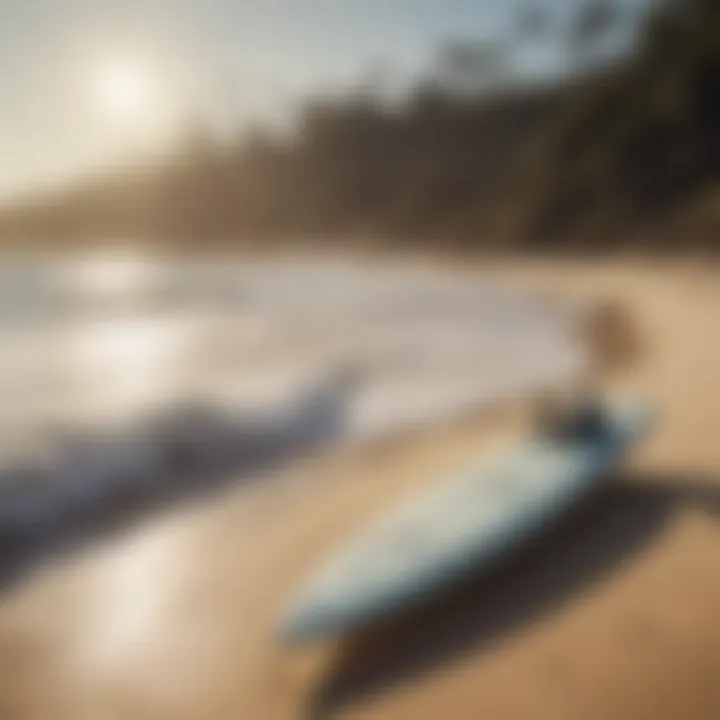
615, 615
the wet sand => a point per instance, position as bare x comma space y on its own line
613, 614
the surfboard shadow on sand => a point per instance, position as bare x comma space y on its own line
185, 454
616, 523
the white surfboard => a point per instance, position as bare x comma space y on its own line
466, 524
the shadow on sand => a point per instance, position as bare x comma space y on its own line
186, 454
616, 523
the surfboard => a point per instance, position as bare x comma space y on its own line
467, 523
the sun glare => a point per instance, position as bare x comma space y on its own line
126, 92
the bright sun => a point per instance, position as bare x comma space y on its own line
126, 92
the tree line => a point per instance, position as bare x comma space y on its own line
615, 153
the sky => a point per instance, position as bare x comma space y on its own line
90, 82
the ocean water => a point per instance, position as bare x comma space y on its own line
123, 370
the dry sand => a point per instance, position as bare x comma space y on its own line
613, 615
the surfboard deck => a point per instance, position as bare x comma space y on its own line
465, 524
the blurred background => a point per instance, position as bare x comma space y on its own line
588, 125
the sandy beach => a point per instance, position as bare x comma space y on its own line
612, 615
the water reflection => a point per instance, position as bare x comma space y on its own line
121, 275
120, 373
